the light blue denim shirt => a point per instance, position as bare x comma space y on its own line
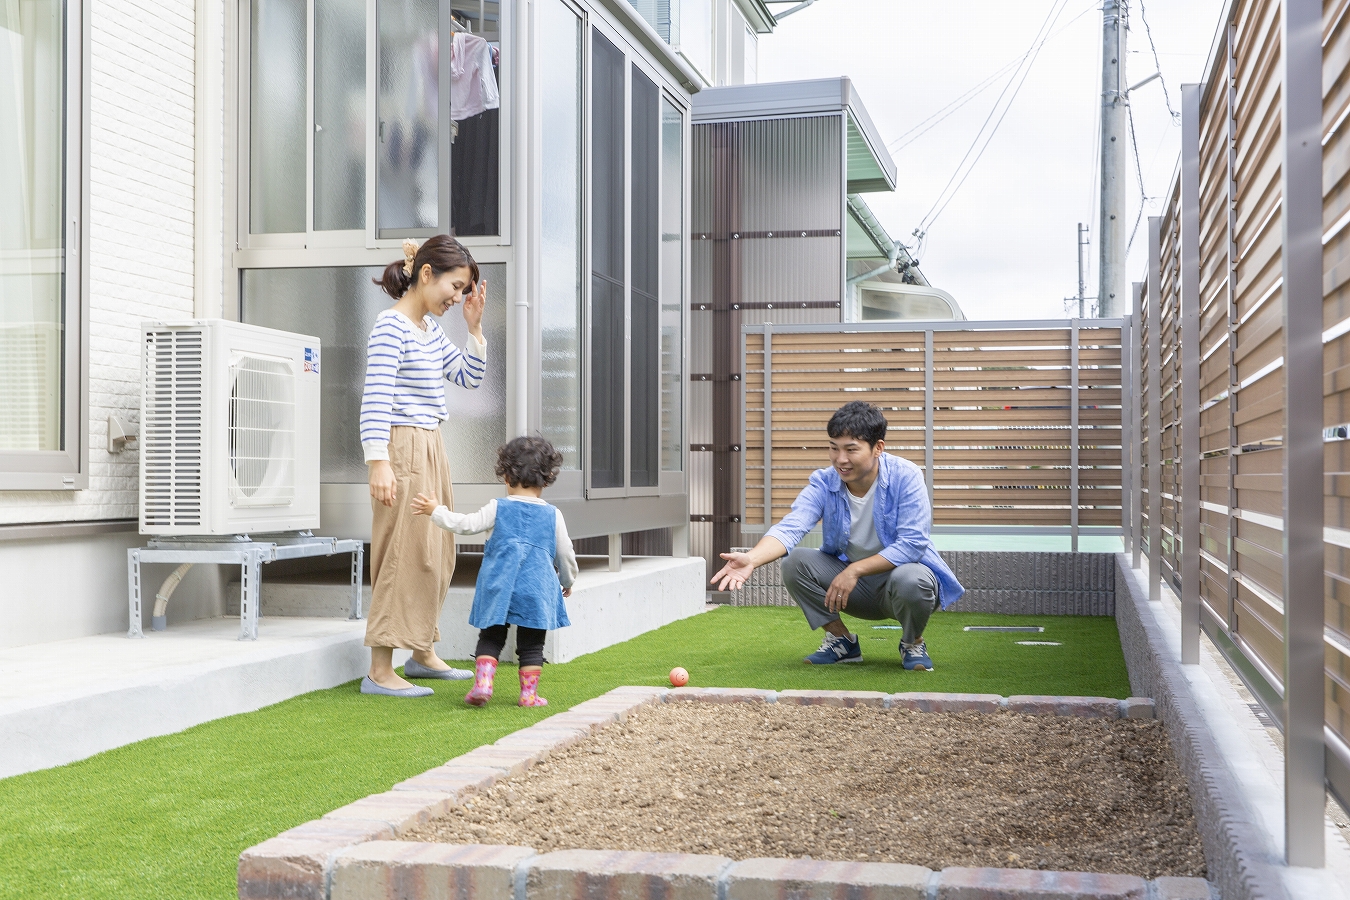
901, 512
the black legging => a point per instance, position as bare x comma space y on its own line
529, 644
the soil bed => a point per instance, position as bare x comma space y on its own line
778, 780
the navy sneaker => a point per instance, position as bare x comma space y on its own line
836, 649
916, 657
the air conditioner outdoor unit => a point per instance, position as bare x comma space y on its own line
229, 438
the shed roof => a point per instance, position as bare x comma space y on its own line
870, 167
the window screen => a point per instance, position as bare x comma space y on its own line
645, 368
607, 264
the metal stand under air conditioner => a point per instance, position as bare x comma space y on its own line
247, 553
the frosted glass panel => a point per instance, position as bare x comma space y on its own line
409, 126
477, 425
560, 234
277, 117
32, 209
608, 409
339, 114
339, 305
672, 287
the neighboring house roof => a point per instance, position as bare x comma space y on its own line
870, 167
757, 13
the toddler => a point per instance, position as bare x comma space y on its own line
528, 565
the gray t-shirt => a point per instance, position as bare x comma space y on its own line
862, 532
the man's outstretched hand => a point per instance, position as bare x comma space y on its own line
733, 575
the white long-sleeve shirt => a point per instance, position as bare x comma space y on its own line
406, 371
486, 518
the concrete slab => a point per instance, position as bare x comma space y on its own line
68, 700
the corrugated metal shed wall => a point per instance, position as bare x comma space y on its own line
768, 215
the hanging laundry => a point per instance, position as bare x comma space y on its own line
473, 81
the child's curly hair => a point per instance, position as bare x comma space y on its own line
528, 462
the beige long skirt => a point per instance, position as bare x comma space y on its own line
411, 560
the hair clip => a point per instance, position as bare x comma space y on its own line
409, 253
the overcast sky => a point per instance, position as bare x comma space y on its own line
1004, 246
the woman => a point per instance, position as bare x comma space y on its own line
401, 412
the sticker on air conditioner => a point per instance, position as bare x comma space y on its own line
312, 360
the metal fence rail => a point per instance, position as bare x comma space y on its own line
1243, 328
1016, 424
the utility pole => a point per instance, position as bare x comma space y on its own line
1111, 234
1082, 275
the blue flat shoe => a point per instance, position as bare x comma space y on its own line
414, 669
370, 687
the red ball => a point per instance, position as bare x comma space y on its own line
679, 677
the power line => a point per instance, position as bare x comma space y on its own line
900, 143
1157, 63
944, 197
1139, 174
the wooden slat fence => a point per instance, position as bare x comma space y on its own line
1238, 385
1014, 425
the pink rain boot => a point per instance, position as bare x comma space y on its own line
485, 667
529, 685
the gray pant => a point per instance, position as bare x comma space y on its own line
908, 593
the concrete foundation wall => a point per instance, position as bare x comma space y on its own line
1237, 854
56, 589
605, 608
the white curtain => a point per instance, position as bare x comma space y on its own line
32, 209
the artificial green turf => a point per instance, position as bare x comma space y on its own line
167, 817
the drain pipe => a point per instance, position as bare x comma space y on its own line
778, 17
158, 619
884, 267
869, 221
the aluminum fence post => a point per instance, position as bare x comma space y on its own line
768, 423
1130, 539
1073, 435
1136, 415
1304, 552
1154, 364
1190, 373
928, 411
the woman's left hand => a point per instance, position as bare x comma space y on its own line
474, 302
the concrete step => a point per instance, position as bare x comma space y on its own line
605, 607
68, 700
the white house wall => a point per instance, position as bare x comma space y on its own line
141, 266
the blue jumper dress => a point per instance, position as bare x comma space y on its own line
518, 584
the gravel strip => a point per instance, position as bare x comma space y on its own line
776, 780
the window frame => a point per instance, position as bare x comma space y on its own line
365, 238
68, 469
669, 482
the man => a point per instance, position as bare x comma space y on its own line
876, 560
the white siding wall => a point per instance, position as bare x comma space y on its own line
141, 184
141, 231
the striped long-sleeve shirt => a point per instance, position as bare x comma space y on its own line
404, 370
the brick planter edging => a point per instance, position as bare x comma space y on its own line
429, 871
354, 849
